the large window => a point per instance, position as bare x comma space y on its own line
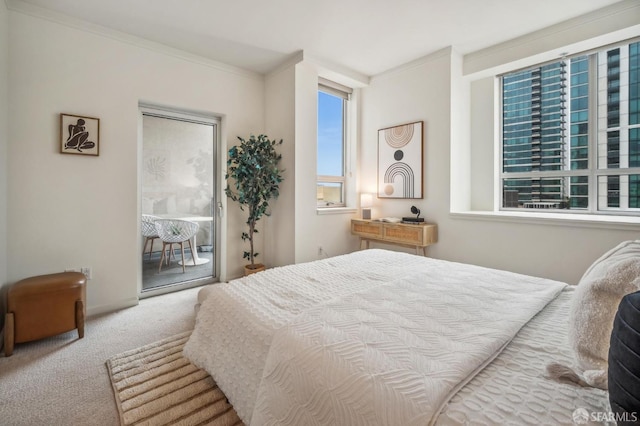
571, 134
332, 124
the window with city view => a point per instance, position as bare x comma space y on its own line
332, 108
571, 134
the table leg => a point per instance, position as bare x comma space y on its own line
194, 252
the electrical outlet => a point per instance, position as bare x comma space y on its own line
72, 270
86, 270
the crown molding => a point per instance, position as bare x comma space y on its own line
438, 54
325, 69
336, 72
20, 6
616, 20
288, 62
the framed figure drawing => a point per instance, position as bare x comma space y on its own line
400, 161
79, 135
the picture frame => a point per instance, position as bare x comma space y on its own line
79, 135
400, 161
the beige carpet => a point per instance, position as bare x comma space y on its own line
156, 385
63, 380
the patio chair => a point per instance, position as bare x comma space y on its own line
149, 231
175, 231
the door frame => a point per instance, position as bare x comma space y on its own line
192, 116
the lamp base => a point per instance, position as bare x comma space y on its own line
413, 219
366, 213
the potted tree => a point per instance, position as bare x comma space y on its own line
253, 178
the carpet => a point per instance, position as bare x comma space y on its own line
156, 385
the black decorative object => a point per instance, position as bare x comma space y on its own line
624, 361
416, 219
415, 211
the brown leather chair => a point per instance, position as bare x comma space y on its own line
44, 306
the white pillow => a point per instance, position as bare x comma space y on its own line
594, 307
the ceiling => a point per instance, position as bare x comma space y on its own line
366, 36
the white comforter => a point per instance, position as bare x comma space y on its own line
374, 337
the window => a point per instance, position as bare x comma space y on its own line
333, 102
571, 134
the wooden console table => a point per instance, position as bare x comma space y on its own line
419, 235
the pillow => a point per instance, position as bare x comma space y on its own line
624, 359
594, 306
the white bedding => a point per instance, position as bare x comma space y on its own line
285, 309
513, 389
394, 354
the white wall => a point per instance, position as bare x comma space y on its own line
610, 24
70, 211
295, 230
482, 172
416, 92
331, 231
4, 135
306, 120
279, 228
432, 90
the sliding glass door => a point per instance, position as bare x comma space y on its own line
178, 184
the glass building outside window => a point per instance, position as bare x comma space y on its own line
571, 134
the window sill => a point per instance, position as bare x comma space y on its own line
336, 210
554, 219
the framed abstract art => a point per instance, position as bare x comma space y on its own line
400, 161
79, 135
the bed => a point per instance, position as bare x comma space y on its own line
383, 337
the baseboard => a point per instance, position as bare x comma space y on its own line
110, 307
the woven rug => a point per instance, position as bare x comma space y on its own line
156, 385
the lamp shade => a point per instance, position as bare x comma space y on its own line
366, 201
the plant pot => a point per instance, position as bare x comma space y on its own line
252, 269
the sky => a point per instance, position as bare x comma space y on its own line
329, 135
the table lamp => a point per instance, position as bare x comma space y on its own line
366, 201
